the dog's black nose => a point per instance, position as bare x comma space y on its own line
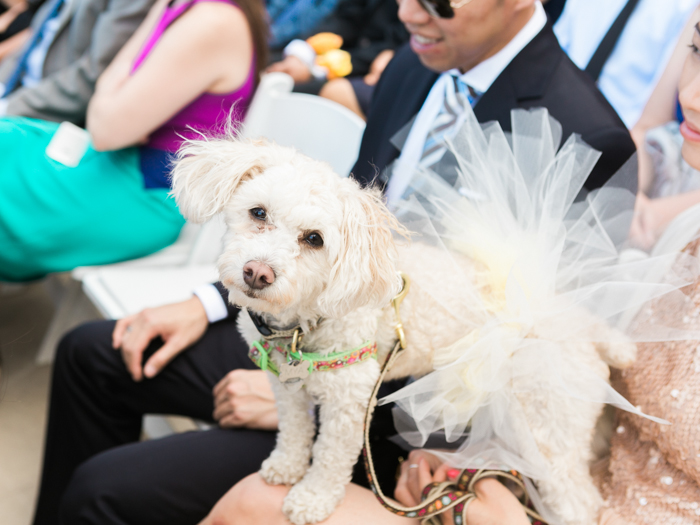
258, 275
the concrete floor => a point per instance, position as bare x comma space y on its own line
25, 313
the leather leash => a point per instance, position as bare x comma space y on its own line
437, 497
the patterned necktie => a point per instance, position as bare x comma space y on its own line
458, 95
15, 78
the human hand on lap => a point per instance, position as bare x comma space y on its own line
244, 398
420, 469
494, 503
294, 67
179, 325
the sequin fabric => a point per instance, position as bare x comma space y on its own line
654, 472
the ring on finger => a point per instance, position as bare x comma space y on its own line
412, 465
128, 329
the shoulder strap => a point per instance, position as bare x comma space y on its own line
607, 45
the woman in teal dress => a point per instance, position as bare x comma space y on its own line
189, 66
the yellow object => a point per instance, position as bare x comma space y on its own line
337, 62
329, 54
324, 42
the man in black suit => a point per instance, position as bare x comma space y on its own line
539, 75
95, 471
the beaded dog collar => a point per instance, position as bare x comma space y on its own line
260, 355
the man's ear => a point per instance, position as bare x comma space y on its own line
365, 272
207, 172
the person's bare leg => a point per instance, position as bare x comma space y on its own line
252, 501
340, 90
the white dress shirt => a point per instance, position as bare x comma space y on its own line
212, 301
641, 54
480, 77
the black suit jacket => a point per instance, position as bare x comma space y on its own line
541, 75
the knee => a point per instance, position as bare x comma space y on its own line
250, 501
86, 500
338, 90
109, 488
83, 348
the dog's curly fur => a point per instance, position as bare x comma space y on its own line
348, 283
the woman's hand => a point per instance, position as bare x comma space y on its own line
494, 503
244, 398
420, 469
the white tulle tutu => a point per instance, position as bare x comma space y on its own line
547, 265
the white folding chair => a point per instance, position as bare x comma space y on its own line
315, 126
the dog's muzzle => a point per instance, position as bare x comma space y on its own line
258, 275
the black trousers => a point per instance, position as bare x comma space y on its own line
97, 472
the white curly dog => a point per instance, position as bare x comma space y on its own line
307, 248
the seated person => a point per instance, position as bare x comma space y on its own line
627, 75
189, 359
171, 80
653, 480
668, 183
370, 33
75, 42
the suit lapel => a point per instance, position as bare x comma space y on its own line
411, 96
404, 88
525, 79
66, 15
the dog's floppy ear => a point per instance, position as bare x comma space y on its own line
365, 272
207, 172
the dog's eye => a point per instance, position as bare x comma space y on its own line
258, 213
314, 239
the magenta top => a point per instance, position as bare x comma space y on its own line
208, 112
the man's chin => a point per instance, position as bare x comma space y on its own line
435, 63
431, 56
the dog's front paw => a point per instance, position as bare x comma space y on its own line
282, 469
310, 503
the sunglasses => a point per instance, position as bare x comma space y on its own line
442, 8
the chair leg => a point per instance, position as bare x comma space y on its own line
72, 308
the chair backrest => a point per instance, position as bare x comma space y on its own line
317, 127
